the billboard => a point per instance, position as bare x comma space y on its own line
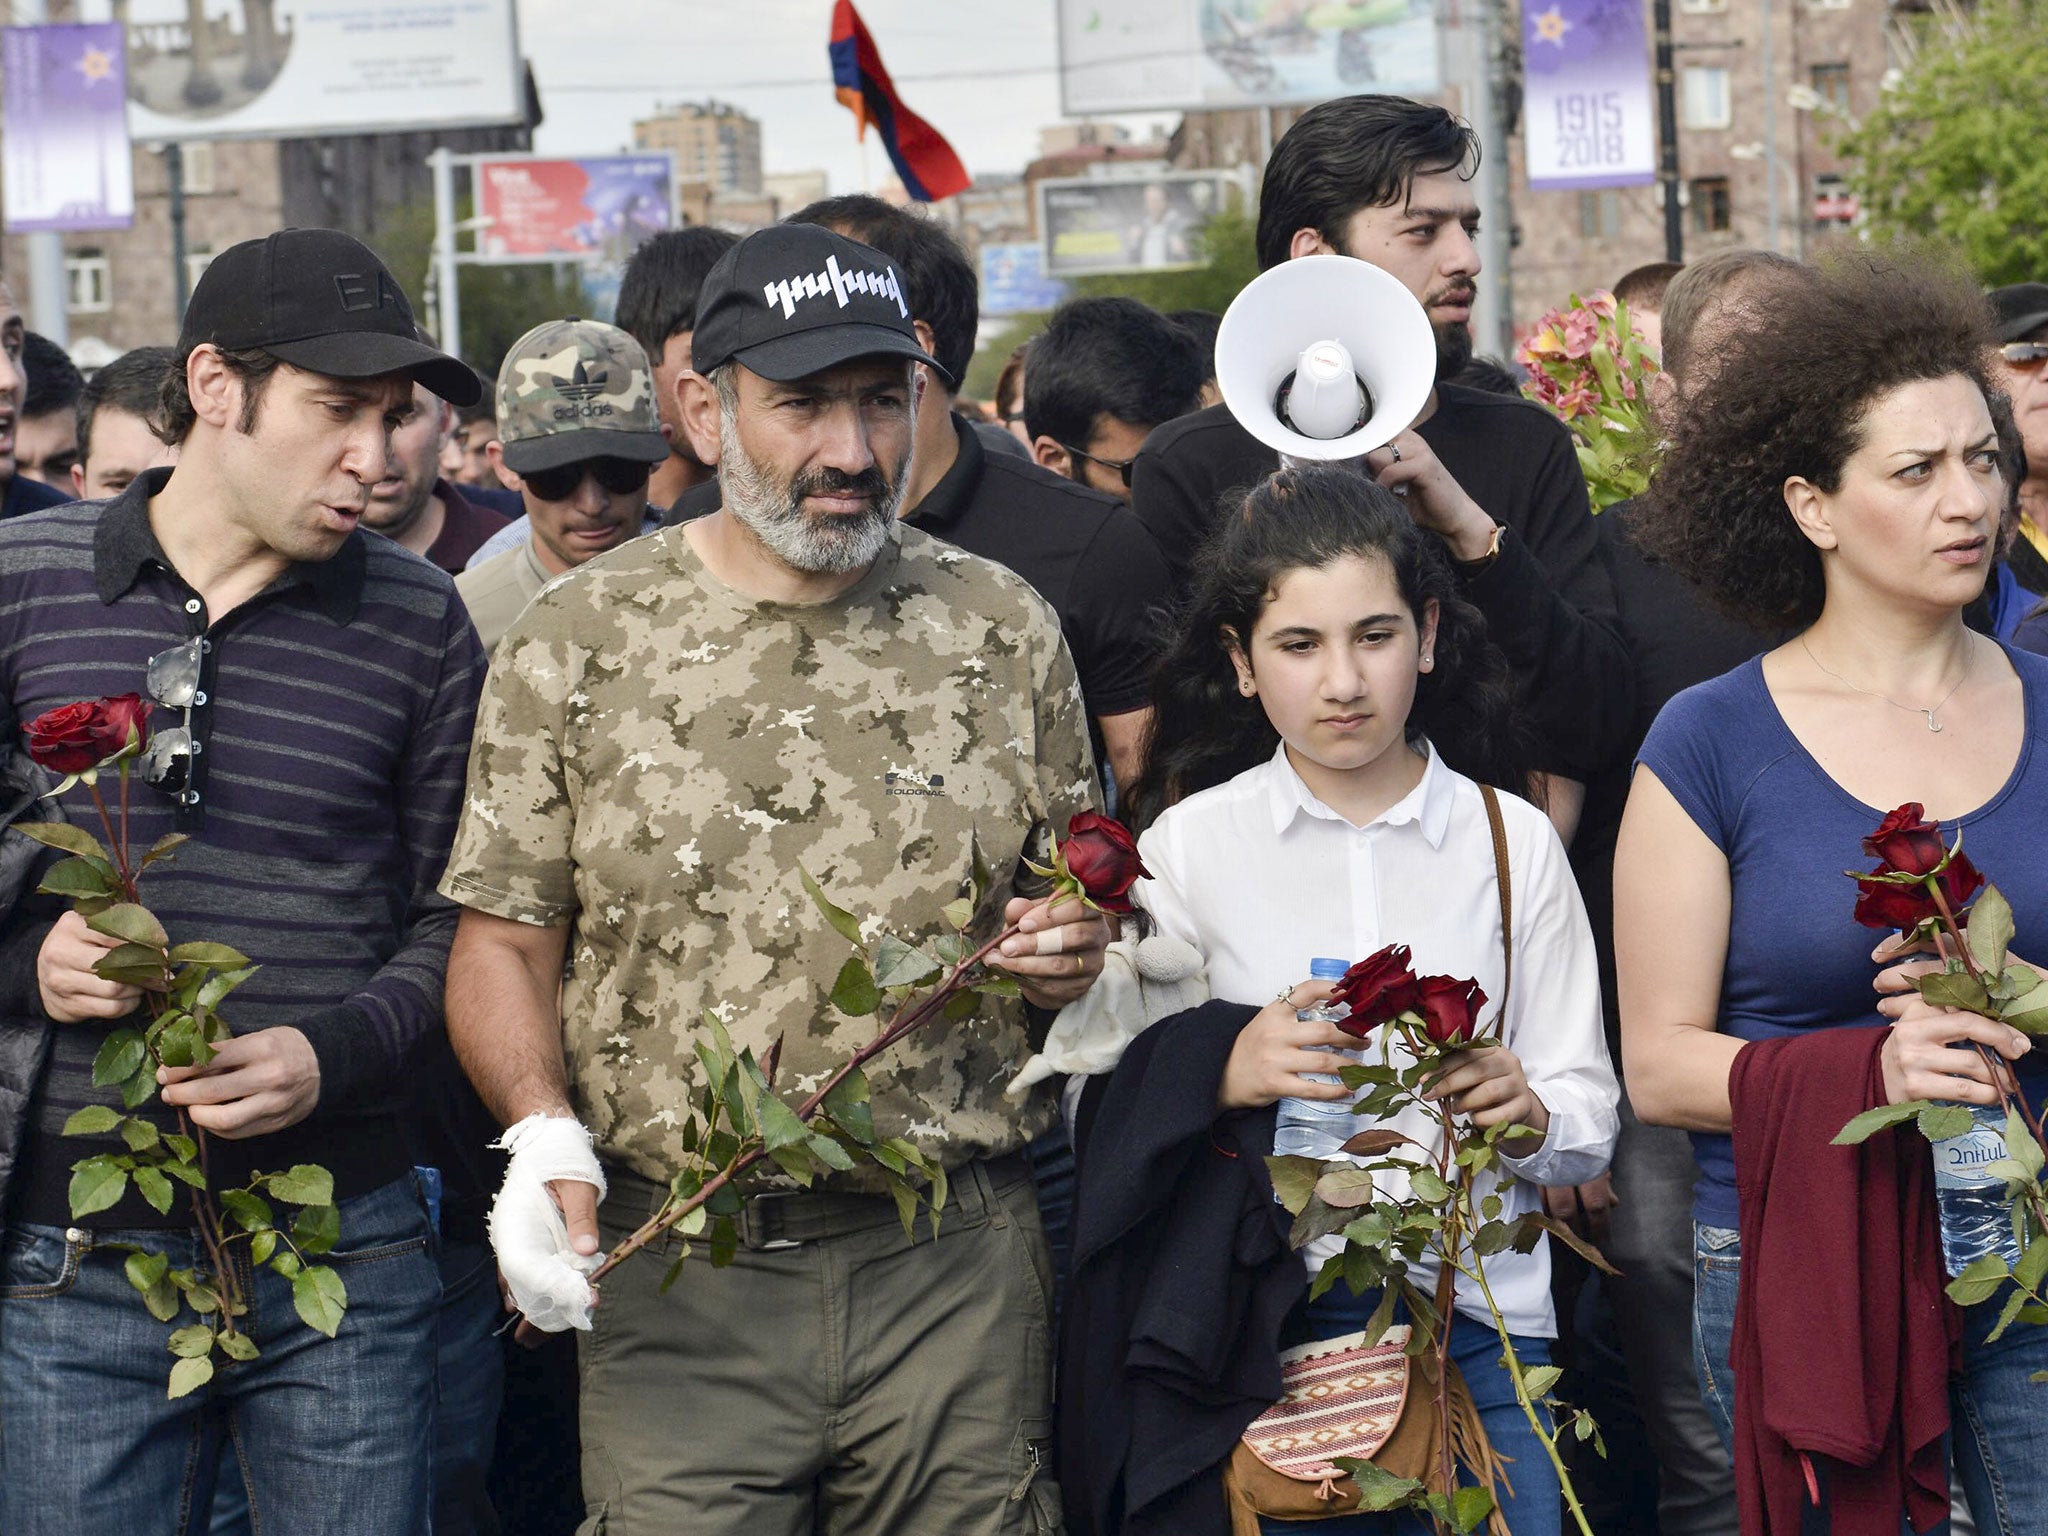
1143, 224
64, 123
597, 209
223, 69
1206, 55
1589, 120
1013, 281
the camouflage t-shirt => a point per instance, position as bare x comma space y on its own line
656, 755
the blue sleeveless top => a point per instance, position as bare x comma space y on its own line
1797, 959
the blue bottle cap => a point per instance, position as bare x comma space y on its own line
1324, 969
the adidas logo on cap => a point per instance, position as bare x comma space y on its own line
837, 282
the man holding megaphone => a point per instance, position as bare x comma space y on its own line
1326, 358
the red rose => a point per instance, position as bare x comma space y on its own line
1907, 842
1885, 904
1375, 990
75, 737
1103, 856
1449, 1008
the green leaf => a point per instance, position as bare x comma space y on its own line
286, 1264
162, 1300
2006, 1315
1378, 1490
1955, 989
261, 1247
188, 1171
854, 993
139, 1134
1538, 1381
843, 922
190, 1343
1938, 1122
164, 847
998, 986
830, 1153
1979, 1280
118, 1058
2030, 1021
849, 1107
252, 1213
1569, 1238
898, 964
151, 1184
320, 1297
1345, 1187
188, 1376
796, 1161
141, 1085
2033, 1265
146, 1269
220, 984
1469, 1507
675, 1270
317, 1229
1373, 1143
692, 1221
906, 1206
61, 834
136, 964
725, 1241
76, 877
238, 1346
130, 923
303, 1184
181, 1146
2020, 1145
1989, 930
1428, 1187
1294, 1180
1871, 1121
218, 956
959, 913
96, 1184
93, 1120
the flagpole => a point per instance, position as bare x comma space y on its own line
867, 182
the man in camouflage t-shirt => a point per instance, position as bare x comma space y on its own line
668, 735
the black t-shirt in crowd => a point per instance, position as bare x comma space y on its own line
20, 494
1548, 599
1082, 551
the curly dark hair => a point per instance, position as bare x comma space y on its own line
1204, 731
1787, 397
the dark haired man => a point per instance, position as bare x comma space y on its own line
19, 493
1387, 180
314, 691
117, 436
1642, 290
1080, 551
658, 308
413, 505
1104, 372
796, 679
46, 438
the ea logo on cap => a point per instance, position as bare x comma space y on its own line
369, 290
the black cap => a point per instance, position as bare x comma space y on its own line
795, 299
322, 301
2021, 308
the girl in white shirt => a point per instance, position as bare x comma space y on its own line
1303, 798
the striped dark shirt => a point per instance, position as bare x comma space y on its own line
335, 732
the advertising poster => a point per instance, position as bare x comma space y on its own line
1013, 281
64, 124
222, 69
1186, 55
1139, 225
596, 209
1588, 114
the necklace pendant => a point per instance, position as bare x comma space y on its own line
1932, 723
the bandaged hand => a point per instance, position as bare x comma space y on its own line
536, 1259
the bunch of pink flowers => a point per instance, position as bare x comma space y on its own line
1587, 365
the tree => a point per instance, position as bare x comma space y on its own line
1953, 149
499, 304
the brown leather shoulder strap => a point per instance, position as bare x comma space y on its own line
1507, 897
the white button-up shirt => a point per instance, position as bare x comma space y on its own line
1261, 877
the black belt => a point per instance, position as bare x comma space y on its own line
777, 1219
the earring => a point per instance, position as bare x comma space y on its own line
1245, 688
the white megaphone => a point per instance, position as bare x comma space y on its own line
1325, 357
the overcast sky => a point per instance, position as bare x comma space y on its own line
603, 63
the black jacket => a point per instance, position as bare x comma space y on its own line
25, 1030
1170, 1335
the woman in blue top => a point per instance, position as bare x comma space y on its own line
1838, 475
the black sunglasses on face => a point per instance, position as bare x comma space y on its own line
1122, 467
619, 476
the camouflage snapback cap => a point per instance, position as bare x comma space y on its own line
573, 389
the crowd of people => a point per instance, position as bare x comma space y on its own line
500, 716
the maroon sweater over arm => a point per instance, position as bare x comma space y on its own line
1844, 1340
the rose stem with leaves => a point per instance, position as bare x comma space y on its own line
675, 1210
2008, 1100
204, 1216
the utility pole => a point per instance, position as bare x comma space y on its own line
174, 188
1493, 327
1770, 135
448, 302
1667, 134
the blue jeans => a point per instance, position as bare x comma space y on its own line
1536, 1506
333, 1435
1995, 1413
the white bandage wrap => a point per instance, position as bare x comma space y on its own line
545, 1275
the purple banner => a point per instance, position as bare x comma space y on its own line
64, 123
1590, 120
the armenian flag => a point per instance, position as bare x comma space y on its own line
924, 161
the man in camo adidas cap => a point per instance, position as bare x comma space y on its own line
578, 435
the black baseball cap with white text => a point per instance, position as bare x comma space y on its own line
796, 299
319, 300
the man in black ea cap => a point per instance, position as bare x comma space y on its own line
312, 691
668, 732
2020, 311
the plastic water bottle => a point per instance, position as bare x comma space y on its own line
1315, 1127
1975, 1219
